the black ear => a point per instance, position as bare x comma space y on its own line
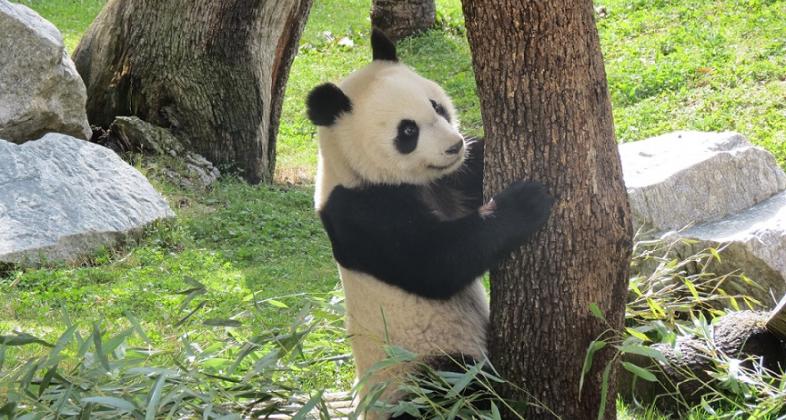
382, 47
325, 103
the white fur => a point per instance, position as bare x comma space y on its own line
359, 149
377, 312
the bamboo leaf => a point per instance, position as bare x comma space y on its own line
689, 284
46, 380
86, 412
400, 354
733, 303
495, 414
640, 372
263, 363
462, 383
216, 322
137, 326
113, 402
155, 397
190, 314
643, 351
117, 340
638, 334
60, 344
22, 339
306, 409
454, 409
604, 391
8, 410
596, 312
31, 368
99, 346
277, 303
594, 346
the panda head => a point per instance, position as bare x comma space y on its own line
385, 124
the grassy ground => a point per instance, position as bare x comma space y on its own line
698, 64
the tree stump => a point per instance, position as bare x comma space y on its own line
402, 18
213, 72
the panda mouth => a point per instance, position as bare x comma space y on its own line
442, 168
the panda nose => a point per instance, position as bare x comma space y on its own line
455, 148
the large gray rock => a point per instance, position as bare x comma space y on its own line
753, 242
729, 195
62, 198
691, 177
40, 90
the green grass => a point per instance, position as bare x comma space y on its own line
698, 64
71, 17
245, 244
671, 65
701, 65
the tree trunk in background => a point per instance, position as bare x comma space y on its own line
213, 72
547, 117
402, 18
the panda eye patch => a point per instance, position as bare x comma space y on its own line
440, 110
407, 138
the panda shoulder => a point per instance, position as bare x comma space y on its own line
375, 202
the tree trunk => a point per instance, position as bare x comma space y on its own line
547, 117
402, 18
213, 72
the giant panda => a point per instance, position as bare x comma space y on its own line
399, 192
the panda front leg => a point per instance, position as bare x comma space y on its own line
385, 232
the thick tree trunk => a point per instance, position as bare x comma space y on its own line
547, 117
213, 72
402, 18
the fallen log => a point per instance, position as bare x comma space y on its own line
739, 336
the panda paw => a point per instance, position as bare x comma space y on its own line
524, 204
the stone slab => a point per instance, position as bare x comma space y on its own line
62, 198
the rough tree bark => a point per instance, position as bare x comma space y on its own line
213, 72
402, 18
547, 117
686, 378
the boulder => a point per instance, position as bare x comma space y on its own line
713, 190
40, 90
753, 242
688, 177
62, 198
190, 171
143, 137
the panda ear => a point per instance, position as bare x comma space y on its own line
382, 47
325, 103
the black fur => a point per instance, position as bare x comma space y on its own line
440, 110
392, 234
407, 138
382, 48
469, 178
325, 103
460, 193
